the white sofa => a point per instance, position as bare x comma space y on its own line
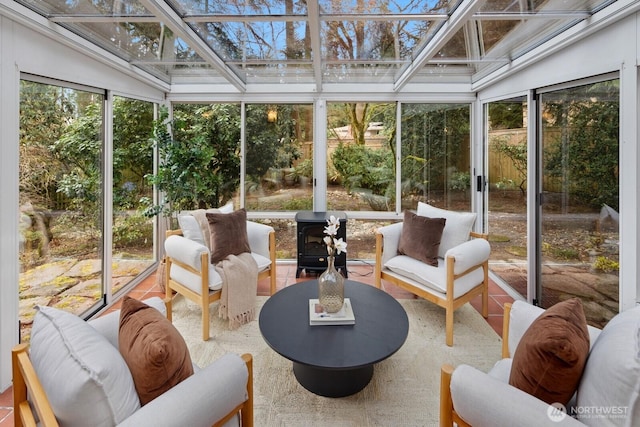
608, 393
221, 392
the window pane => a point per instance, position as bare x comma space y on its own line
360, 161
436, 156
132, 161
61, 145
279, 157
507, 220
205, 155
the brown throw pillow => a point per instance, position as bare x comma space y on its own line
154, 350
228, 234
420, 238
551, 355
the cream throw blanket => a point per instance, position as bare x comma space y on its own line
239, 288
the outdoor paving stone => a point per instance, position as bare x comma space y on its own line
91, 288
45, 272
565, 283
128, 267
84, 268
75, 304
48, 289
27, 306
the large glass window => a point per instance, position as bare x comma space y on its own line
200, 164
279, 157
360, 163
435, 156
61, 176
580, 198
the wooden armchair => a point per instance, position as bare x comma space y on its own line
463, 264
190, 273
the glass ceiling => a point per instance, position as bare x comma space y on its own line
316, 41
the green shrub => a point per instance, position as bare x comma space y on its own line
362, 167
132, 230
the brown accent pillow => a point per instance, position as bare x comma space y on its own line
154, 350
551, 355
420, 238
228, 234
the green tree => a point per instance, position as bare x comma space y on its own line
517, 153
45, 112
199, 164
586, 154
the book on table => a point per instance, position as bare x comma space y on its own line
317, 315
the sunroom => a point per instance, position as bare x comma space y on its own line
523, 112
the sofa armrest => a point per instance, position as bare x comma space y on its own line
390, 240
469, 254
258, 235
482, 400
109, 323
185, 251
202, 399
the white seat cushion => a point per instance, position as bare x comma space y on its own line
192, 281
433, 277
456, 229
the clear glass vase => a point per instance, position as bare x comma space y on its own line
331, 288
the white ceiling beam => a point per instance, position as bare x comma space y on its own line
172, 20
314, 32
458, 18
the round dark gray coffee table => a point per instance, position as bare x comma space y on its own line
334, 360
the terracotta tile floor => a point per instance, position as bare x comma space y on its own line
359, 271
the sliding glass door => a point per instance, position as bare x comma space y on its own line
579, 244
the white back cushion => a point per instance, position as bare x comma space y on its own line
86, 379
191, 229
611, 379
456, 229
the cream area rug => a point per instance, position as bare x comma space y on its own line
404, 390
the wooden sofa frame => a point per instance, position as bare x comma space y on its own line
448, 413
449, 303
38, 407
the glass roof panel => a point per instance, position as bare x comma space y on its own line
373, 40
381, 7
239, 7
271, 40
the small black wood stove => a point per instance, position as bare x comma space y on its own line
312, 251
